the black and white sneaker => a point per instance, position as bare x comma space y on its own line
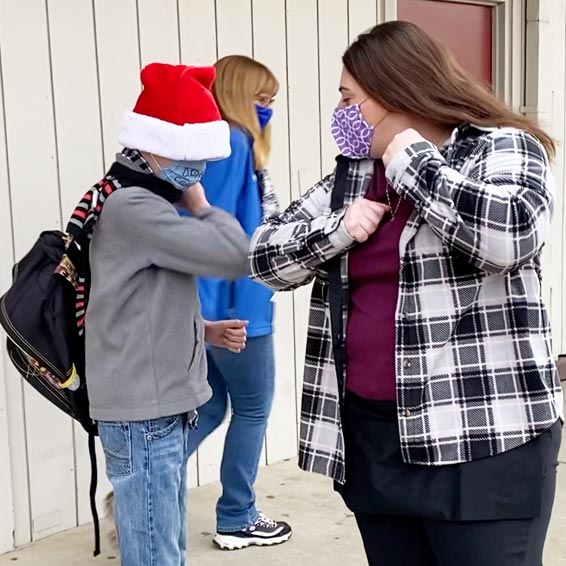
264, 532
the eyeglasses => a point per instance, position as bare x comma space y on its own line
265, 100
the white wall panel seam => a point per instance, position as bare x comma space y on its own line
179, 31
5, 134
138, 27
99, 93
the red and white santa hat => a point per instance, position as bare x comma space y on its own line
176, 115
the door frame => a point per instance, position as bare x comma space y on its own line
508, 44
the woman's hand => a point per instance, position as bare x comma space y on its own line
194, 199
229, 334
363, 217
400, 143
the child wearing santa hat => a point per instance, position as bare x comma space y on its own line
145, 336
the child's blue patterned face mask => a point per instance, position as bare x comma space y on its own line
182, 174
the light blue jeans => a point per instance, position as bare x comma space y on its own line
248, 379
146, 462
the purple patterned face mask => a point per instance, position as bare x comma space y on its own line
351, 132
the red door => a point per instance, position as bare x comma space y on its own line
466, 29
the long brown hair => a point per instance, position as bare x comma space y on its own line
239, 81
405, 70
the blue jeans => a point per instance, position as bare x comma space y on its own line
248, 379
146, 462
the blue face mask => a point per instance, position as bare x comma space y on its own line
182, 174
263, 115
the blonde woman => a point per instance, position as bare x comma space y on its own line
244, 91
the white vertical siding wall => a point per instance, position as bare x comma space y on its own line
68, 71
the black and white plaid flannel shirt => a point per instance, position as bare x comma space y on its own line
475, 370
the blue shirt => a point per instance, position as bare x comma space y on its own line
232, 184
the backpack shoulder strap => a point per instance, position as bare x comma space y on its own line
93, 487
83, 220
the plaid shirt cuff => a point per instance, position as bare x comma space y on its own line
409, 160
340, 239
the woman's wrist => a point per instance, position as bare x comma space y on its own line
400, 143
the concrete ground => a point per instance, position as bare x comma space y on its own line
324, 529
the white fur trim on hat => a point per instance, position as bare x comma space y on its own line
191, 142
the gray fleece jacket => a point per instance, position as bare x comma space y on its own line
145, 355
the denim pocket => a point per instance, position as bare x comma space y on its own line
116, 441
161, 428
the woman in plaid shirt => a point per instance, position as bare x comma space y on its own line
430, 392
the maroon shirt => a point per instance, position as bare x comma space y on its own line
373, 288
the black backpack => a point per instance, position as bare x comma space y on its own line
38, 314
44, 310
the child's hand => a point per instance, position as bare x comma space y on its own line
230, 334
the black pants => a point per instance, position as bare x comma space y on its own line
396, 541
492, 512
